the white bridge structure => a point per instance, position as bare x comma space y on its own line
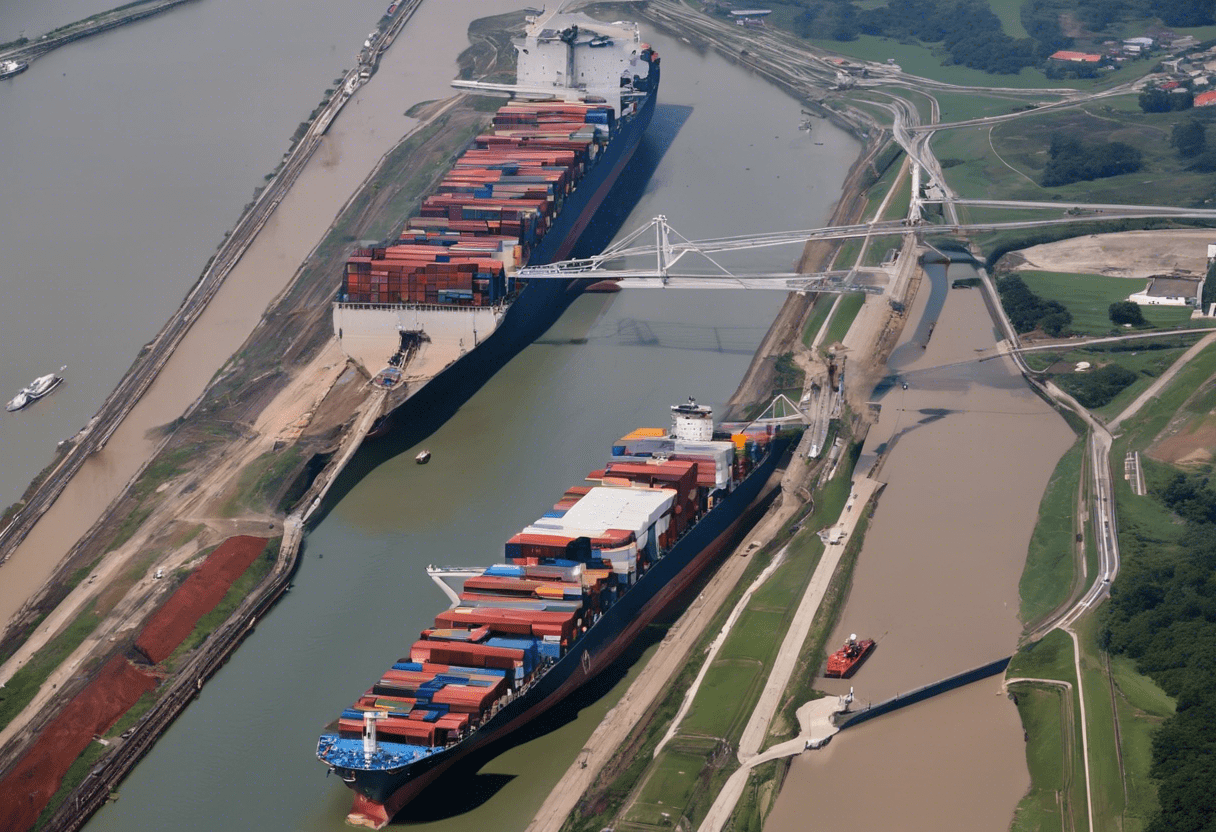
670, 247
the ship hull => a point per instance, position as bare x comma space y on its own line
538, 305
381, 794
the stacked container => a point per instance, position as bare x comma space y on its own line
487, 213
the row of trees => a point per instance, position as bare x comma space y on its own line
973, 34
1096, 388
1163, 615
1027, 311
1073, 160
1156, 100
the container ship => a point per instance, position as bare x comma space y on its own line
439, 307
576, 588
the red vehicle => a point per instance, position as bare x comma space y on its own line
843, 663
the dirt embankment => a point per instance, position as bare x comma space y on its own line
197, 596
28, 787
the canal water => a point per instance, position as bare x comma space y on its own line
967, 450
728, 158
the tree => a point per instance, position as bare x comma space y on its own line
1126, 312
1189, 138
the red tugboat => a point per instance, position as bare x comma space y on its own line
843, 663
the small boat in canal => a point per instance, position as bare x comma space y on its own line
844, 662
423, 457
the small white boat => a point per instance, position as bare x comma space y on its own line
10, 68
423, 457
36, 389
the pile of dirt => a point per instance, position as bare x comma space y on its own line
28, 787
197, 596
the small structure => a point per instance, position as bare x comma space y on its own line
750, 17
1169, 291
1075, 57
1205, 99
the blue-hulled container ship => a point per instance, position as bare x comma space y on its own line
434, 313
575, 588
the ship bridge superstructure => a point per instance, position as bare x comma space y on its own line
573, 57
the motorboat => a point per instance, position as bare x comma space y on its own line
35, 390
42, 385
423, 457
10, 68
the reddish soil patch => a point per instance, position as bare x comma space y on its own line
197, 596
1193, 444
28, 787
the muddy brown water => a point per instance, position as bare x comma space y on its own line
966, 452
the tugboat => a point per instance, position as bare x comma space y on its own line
843, 663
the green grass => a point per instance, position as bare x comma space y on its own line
1104, 771
21, 689
847, 254
757, 799
876, 254
846, 312
668, 789
1049, 658
1042, 710
1051, 718
261, 480
1089, 296
1023, 143
1156, 414
814, 321
957, 106
1049, 574
1145, 362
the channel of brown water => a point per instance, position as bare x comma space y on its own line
969, 451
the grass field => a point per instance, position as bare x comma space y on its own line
1056, 799
814, 321
1105, 770
846, 312
1089, 296
1022, 144
1050, 571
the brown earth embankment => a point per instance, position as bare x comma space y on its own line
29, 786
197, 596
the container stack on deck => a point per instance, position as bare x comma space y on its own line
561, 573
487, 213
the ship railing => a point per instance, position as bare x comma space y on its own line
423, 307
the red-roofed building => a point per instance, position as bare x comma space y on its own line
1076, 57
1205, 99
